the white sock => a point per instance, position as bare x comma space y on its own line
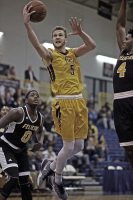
58, 178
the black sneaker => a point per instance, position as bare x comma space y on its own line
45, 171
60, 191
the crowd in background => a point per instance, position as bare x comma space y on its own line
95, 146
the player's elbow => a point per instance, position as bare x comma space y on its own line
93, 46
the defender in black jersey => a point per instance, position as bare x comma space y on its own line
123, 84
22, 123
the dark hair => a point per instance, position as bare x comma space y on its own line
60, 28
131, 32
27, 94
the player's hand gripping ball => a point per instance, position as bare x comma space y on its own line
40, 11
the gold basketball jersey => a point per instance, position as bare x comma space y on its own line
65, 73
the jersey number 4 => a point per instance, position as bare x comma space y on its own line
121, 70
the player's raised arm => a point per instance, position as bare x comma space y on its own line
42, 51
121, 23
89, 43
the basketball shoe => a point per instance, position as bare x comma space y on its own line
45, 171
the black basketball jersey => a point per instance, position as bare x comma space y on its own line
18, 134
123, 74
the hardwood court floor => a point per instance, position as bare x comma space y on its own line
83, 197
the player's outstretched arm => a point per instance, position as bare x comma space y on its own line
89, 43
121, 23
42, 51
14, 115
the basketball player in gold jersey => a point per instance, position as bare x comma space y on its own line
69, 111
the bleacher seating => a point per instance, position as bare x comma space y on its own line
114, 151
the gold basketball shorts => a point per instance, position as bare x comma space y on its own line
70, 116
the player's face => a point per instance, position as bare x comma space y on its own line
128, 43
33, 98
59, 39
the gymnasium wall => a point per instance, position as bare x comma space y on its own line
15, 49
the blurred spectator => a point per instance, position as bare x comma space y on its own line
38, 160
93, 131
101, 148
9, 98
29, 77
12, 73
90, 148
80, 161
29, 74
49, 153
105, 117
93, 115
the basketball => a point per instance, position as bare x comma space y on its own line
41, 11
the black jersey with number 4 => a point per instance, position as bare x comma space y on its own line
18, 134
123, 74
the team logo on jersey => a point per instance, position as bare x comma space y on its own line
69, 60
30, 127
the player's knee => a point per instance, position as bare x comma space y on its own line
25, 187
25, 182
129, 151
79, 146
68, 149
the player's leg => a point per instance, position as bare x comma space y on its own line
65, 153
124, 126
25, 187
65, 127
129, 152
81, 125
71, 147
11, 183
24, 172
10, 167
63, 120
78, 146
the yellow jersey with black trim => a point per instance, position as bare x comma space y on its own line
65, 73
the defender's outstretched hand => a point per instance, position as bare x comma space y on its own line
27, 13
75, 25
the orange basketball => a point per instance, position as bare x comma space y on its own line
41, 11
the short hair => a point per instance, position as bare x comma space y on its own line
28, 93
130, 31
59, 28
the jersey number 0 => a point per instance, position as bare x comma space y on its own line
26, 137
